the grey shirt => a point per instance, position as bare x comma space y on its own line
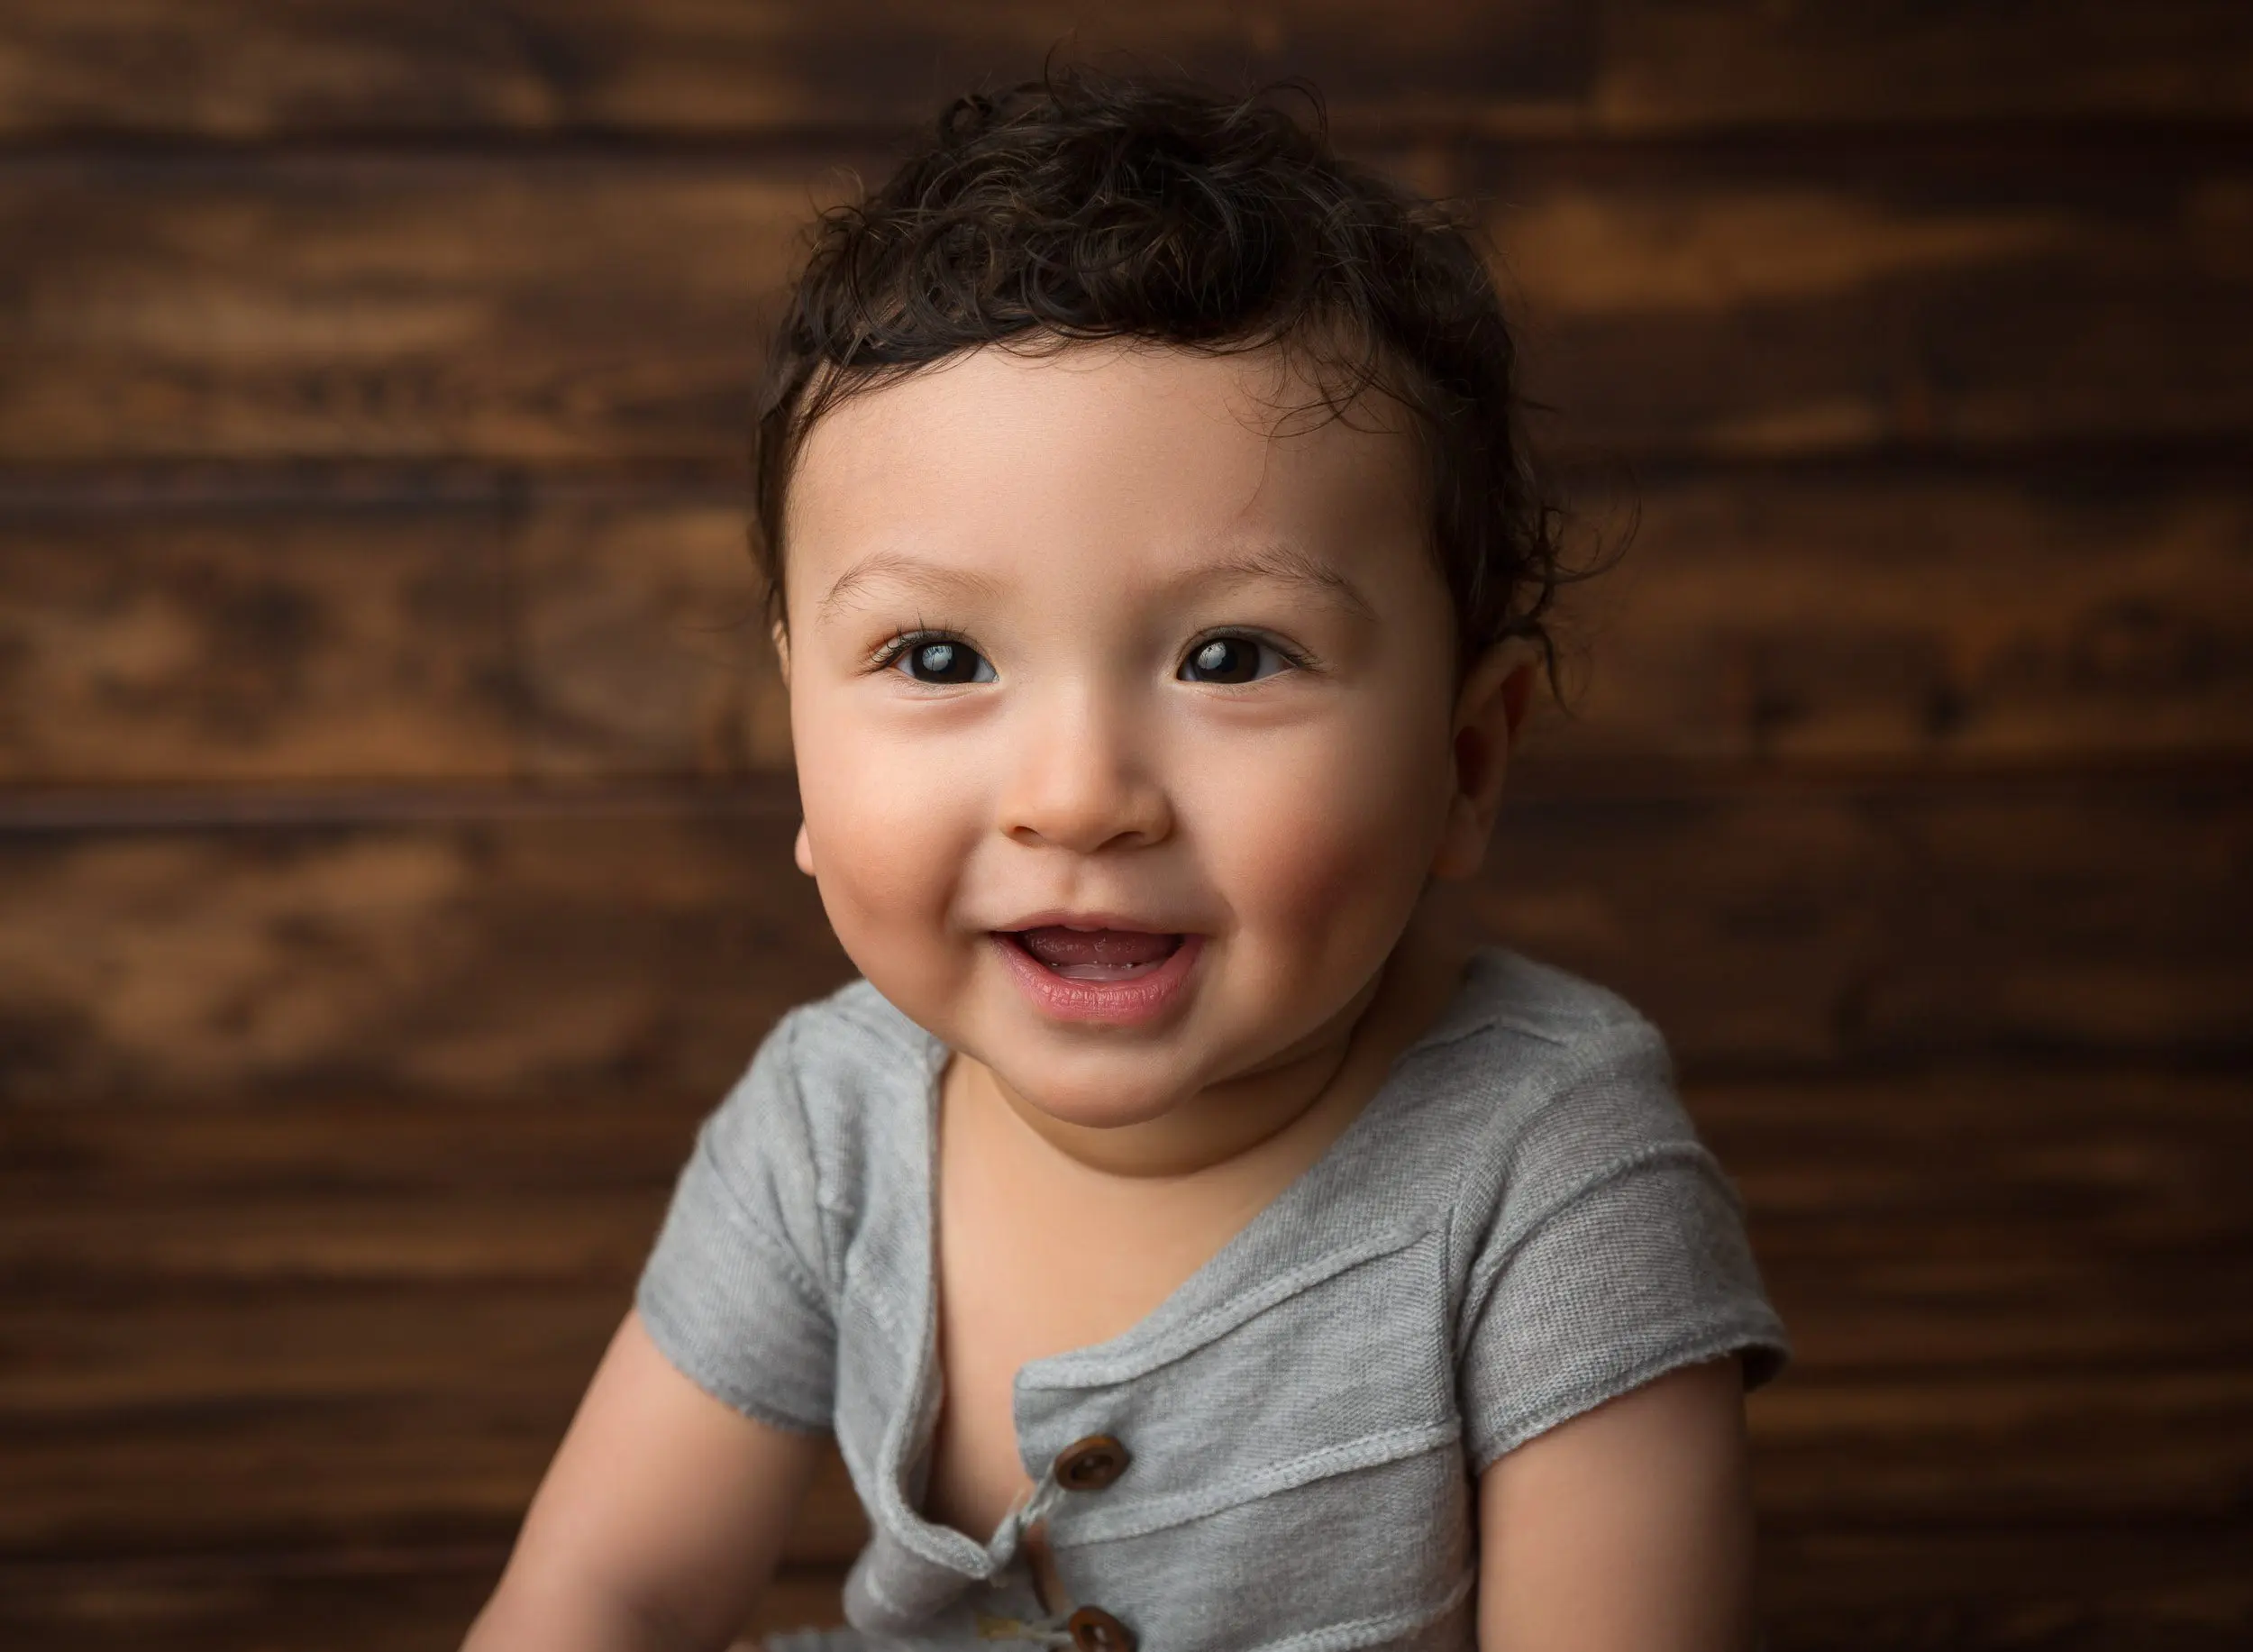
1520, 1225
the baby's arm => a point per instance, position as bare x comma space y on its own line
1629, 1526
658, 1524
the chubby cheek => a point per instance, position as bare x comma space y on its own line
1320, 851
890, 831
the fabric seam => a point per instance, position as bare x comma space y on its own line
1750, 1330
728, 1392
1195, 1333
1377, 1450
1371, 1631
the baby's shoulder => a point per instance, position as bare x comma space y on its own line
854, 1059
838, 1081
853, 1038
1536, 1077
1505, 993
1519, 1031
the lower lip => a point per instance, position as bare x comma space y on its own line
1132, 1002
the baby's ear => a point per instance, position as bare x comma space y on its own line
1508, 671
781, 633
1491, 710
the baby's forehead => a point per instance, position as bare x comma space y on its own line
1200, 449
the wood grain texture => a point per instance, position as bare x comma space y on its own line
400, 1600
381, 639
232, 69
1876, 616
1941, 621
564, 309
1830, 926
1683, 64
2030, 1585
693, 68
1842, 926
1781, 299
187, 644
538, 310
306, 1416
505, 958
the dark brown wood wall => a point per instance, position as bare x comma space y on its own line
393, 796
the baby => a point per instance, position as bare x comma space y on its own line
1189, 1238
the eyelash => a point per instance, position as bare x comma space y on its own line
891, 652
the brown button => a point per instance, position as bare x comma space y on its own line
1093, 1629
1092, 1463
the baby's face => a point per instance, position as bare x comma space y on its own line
1123, 728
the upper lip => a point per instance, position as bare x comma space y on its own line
1055, 918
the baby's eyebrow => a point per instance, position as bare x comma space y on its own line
1284, 564
903, 570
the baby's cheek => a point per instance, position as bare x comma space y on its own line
1328, 872
1326, 867
889, 843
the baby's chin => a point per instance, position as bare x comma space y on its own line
1099, 1090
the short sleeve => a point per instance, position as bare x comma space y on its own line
734, 1292
1614, 1252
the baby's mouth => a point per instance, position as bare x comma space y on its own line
1096, 954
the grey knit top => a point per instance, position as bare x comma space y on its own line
1520, 1225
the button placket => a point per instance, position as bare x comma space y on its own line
1087, 1465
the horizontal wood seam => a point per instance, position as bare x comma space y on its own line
1537, 134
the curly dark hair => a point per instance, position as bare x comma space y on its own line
1098, 205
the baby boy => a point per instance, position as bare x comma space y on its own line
1188, 1237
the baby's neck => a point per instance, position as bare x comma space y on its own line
1292, 1108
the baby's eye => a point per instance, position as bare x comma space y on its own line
942, 660
1232, 659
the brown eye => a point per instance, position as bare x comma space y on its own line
1230, 658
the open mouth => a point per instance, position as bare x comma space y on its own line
1095, 955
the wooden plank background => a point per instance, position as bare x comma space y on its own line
394, 794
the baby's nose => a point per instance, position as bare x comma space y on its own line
1083, 782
